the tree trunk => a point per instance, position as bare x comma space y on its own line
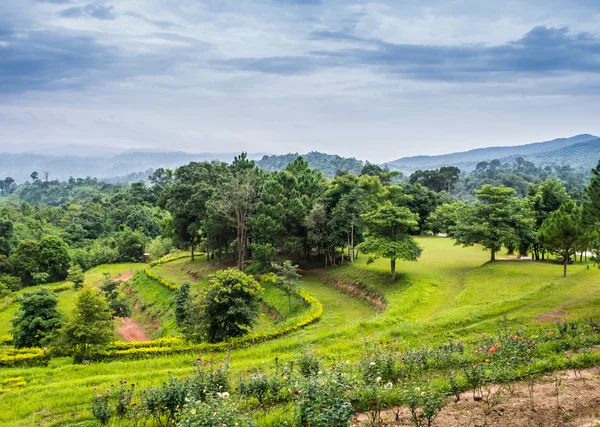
565, 262
193, 247
352, 242
393, 265
581, 257
493, 258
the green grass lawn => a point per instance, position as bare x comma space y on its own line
450, 291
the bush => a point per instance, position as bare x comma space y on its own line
227, 310
424, 404
217, 411
322, 402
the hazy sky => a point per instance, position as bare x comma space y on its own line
375, 80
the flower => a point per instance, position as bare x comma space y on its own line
487, 360
372, 364
378, 379
474, 366
389, 386
374, 403
94, 389
108, 390
99, 396
492, 350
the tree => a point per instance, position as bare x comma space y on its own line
182, 304
591, 203
227, 310
131, 245
563, 232
54, 257
6, 234
76, 276
389, 229
445, 217
90, 325
545, 198
287, 279
34, 176
236, 201
497, 219
37, 319
25, 259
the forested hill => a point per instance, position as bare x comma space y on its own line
328, 164
536, 152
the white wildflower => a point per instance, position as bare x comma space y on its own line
378, 379
372, 363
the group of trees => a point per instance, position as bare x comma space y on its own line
39, 323
546, 220
242, 210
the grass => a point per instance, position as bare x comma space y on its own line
450, 291
67, 298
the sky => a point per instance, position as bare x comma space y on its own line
373, 80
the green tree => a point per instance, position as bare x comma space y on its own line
563, 232
76, 276
37, 319
6, 234
389, 229
236, 200
591, 203
287, 279
545, 198
131, 245
497, 219
26, 261
182, 304
90, 325
54, 257
227, 310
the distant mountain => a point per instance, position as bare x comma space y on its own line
467, 160
328, 164
582, 155
20, 165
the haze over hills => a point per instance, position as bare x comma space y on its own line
467, 160
64, 161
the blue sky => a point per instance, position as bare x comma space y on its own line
375, 80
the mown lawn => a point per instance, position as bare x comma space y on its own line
450, 291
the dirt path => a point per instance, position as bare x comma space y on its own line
131, 331
123, 277
578, 403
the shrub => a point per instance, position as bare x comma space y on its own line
37, 319
164, 402
101, 408
215, 412
227, 310
424, 404
322, 402
210, 378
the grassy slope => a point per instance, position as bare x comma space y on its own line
450, 290
66, 299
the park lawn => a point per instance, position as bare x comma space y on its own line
449, 292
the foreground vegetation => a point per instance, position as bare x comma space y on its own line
451, 294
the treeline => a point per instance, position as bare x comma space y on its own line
258, 217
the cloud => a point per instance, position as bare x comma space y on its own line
543, 50
46, 60
92, 10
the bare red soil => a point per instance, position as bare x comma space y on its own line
131, 331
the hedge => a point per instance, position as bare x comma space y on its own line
24, 356
160, 280
168, 258
166, 346
6, 339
